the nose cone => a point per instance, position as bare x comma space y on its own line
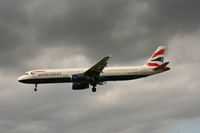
20, 79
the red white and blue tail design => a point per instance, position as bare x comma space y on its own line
157, 58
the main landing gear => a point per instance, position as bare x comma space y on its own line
94, 88
35, 89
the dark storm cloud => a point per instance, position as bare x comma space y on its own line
16, 35
88, 25
100, 27
167, 18
91, 24
178, 15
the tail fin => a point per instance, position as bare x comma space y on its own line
157, 58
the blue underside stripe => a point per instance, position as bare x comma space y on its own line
68, 79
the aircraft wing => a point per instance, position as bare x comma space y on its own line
95, 70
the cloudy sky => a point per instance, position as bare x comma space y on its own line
75, 33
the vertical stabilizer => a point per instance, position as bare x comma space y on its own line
157, 58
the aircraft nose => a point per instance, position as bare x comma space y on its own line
20, 79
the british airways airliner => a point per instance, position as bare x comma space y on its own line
82, 78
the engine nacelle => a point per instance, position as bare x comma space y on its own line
79, 86
78, 77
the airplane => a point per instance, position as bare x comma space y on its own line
98, 74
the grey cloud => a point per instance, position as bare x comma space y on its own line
15, 34
91, 24
100, 27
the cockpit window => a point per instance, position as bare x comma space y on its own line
26, 74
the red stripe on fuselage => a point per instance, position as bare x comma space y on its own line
152, 64
38, 71
162, 51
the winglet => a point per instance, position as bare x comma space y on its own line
109, 56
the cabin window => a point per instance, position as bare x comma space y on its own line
32, 73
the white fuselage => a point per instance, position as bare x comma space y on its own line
65, 75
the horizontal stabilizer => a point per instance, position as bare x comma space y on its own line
162, 67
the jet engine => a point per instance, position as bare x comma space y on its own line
79, 86
78, 77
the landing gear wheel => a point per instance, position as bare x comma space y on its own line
35, 89
94, 89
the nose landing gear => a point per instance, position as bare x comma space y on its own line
35, 89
